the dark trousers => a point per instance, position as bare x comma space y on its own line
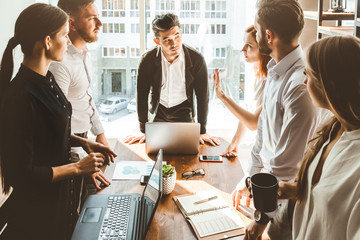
178, 113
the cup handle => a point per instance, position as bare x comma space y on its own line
248, 185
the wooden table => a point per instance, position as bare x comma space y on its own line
168, 222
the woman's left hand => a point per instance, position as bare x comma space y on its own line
219, 91
90, 147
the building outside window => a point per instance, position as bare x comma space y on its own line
164, 6
114, 52
113, 27
215, 9
190, 9
135, 52
113, 8
213, 27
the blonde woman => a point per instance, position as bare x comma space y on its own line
328, 186
246, 118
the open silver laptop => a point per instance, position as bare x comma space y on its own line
172, 137
121, 216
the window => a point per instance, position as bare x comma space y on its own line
189, 28
217, 29
164, 6
215, 9
190, 9
219, 53
135, 28
134, 52
206, 26
113, 8
116, 52
113, 28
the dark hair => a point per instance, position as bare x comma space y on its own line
72, 6
33, 24
164, 22
284, 17
334, 63
261, 68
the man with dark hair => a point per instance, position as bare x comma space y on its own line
288, 118
73, 77
171, 73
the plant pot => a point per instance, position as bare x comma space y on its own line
168, 184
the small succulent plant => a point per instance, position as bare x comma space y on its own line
167, 170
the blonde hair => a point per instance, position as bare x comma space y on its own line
334, 62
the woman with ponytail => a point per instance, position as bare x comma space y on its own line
328, 183
35, 134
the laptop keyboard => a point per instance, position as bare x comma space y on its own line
116, 218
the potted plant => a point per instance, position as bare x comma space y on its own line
169, 179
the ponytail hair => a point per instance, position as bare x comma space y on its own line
33, 24
7, 65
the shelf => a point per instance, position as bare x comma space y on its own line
336, 31
314, 15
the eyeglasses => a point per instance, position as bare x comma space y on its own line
189, 174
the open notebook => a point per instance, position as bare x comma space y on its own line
211, 219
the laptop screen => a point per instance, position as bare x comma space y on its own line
152, 192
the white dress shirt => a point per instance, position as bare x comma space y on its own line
331, 209
173, 88
73, 77
287, 121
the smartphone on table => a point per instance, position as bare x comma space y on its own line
209, 158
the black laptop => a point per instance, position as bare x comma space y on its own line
121, 216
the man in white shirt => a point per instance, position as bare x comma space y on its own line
73, 74
288, 118
171, 74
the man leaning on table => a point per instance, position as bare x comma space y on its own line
288, 118
171, 73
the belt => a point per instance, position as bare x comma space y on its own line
83, 135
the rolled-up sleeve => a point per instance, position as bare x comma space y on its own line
96, 125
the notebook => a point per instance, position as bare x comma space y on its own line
210, 215
172, 137
121, 216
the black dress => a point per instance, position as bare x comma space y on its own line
35, 133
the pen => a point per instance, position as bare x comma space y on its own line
206, 200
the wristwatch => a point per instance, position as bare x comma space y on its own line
260, 217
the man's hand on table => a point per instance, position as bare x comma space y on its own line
236, 196
209, 139
254, 231
133, 139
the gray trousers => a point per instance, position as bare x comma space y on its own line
281, 227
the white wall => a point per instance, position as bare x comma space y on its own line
9, 11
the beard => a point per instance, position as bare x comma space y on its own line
263, 48
87, 37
